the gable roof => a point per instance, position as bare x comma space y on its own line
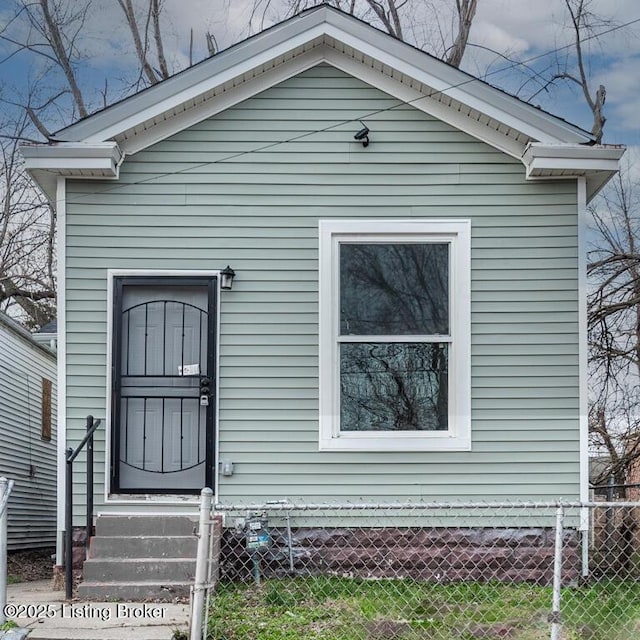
548, 146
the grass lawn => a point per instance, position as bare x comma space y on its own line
326, 608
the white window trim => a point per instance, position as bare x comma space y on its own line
457, 232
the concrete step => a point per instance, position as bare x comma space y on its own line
136, 525
131, 569
143, 547
137, 557
140, 590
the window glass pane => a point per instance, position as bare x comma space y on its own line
394, 289
393, 386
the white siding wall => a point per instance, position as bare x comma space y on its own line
24, 456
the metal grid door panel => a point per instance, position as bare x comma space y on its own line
163, 433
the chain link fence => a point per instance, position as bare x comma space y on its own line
423, 571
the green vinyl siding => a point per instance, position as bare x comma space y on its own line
247, 188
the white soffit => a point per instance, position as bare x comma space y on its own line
548, 146
91, 161
597, 163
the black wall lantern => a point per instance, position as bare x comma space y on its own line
226, 278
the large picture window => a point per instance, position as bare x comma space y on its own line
394, 335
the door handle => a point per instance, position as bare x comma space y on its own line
205, 386
205, 391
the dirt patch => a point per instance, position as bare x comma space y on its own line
383, 629
25, 566
492, 631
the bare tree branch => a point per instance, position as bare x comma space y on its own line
157, 35
51, 30
466, 12
399, 18
614, 327
141, 51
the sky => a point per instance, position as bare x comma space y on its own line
521, 30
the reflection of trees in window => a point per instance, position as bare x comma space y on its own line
394, 289
393, 386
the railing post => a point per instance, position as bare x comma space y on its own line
68, 525
4, 489
70, 456
204, 531
555, 617
89, 486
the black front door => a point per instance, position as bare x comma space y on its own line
163, 384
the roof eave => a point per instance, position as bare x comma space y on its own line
598, 163
300, 31
90, 161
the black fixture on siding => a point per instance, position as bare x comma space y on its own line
363, 135
226, 278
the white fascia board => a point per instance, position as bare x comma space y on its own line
311, 58
103, 157
419, 101
597, 163
579, 159
193, 82
606, 152
225, 100
299, 32
32, 338
456, 84
45, 162
175, 101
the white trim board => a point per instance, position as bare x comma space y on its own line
457, 234
291, 68
294, 36
583, 357
541, 161
156, 498
322, 34
61, 217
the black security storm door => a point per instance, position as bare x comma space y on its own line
163, 384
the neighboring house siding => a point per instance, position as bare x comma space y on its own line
24, 456
226, 192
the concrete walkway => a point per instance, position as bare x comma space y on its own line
48, 616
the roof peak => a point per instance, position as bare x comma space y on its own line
321, 19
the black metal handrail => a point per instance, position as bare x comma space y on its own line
70, 456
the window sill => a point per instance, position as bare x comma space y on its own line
407, 443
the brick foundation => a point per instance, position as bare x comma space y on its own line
439, 554
78, 538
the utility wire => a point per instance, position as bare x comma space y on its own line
431, 94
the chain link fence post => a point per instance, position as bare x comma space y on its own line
555, 618
5, 491
202, 561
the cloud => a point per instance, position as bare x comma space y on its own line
543, 26
520, 30
498, 38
